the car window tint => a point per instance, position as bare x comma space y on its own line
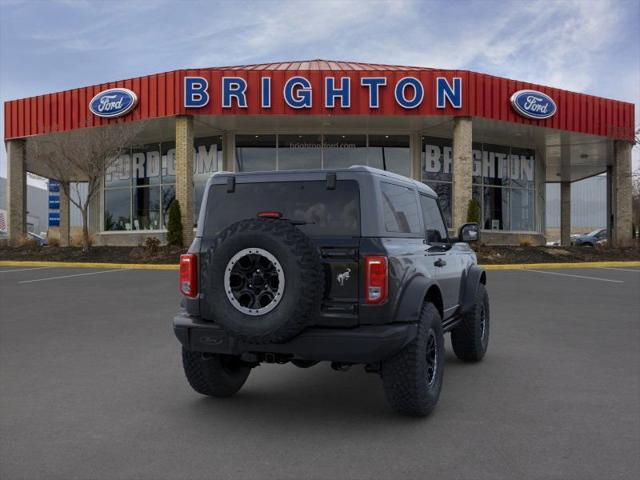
435, 229
400, 208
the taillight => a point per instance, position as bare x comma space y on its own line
269, 214
189, 275
376, 279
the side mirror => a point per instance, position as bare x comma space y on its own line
469, 232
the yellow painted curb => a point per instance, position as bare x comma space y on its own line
151, 266
131, 266
529, 266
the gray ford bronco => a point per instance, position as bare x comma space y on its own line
350, 266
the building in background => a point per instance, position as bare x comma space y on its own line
36, 208
467, 135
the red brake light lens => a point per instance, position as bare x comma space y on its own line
269, 214
188, 275
376, 279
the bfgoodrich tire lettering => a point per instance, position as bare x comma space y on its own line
214, 375
300, 301
412, 379
470, 339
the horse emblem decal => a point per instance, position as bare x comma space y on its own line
343, 277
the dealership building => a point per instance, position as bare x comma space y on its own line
470, 136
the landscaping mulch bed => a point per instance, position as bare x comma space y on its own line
487, 255
162, 255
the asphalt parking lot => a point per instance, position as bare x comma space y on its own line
91, 387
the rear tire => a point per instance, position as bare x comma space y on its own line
214, 375
412, 379
470, 338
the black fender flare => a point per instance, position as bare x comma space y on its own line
412, 298
475, 276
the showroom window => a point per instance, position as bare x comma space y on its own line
140, 185
315, 151
503, 182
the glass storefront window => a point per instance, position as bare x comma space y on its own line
168, 162
496, 208
146, 208
255, 153
299, 152
117, 205
145, 165
522, 167
521, 210
118, 174
343, 151
206, 161
168, 195
436, 159
390, 152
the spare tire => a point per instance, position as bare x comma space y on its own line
263, 280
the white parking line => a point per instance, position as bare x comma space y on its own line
637, 270
23, 269
576, 276
70, 276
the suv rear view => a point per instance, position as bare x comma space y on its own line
336, 266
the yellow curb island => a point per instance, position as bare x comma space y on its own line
150, 266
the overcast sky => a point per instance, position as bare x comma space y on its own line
581, 45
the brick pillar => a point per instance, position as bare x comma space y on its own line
184, 174
621, 186
65, 216
16, 191
565, 213
462, 169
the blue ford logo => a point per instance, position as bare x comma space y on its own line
533, 104
114, 102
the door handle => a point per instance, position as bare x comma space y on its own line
440, 263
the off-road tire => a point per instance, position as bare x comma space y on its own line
303, 272
404, 376
470, 339
213, 374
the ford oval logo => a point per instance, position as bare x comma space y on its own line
114, 102
533, 104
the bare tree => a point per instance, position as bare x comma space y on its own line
82, 156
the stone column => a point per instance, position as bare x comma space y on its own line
462, 169
65, 216
416, 156
184, 174
16, 191
621, 184
229, 152
565, 213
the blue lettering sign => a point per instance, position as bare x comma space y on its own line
373, 84
331, 92
297, 92
266, 92
195, 92
54, 219
401, 94
54, 187
234, 87
444, 92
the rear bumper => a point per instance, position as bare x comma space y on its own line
364, 344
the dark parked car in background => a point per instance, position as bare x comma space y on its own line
591, 239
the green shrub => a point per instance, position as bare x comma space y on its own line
174, 227
473, 212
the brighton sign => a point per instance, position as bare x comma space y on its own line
113, 103
298, 93
533, 104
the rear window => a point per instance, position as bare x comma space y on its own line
324, 212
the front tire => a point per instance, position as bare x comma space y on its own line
470, 339
214, 375
412, 379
